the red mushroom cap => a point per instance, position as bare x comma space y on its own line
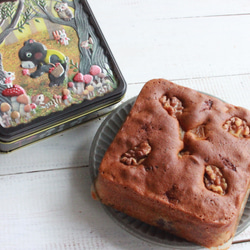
16, 90
70, 84
78, 77
64, 97
95, 70
87, 78
33, 105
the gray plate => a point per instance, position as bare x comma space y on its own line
101, 142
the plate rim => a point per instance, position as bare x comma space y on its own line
111, 212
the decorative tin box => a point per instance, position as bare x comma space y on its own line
56, 69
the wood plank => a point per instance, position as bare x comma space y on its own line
170, 9
69, 148
173, 48
54, 210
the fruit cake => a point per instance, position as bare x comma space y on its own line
181, 162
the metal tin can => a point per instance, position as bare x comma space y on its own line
56, 70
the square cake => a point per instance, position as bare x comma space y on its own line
181, 162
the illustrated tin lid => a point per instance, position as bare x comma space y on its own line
54, 63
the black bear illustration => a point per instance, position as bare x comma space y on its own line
34, 54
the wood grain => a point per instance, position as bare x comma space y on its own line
58, 213
174, 48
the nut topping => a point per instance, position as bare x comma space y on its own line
214, 180
199, 132
237, 127
136, 155
172, 105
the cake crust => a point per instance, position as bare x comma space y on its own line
180, 162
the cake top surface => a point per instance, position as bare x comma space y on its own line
183, 148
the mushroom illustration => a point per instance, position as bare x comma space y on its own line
27, 109
98, 88
95, 70
66, 97
87, 78
57, 98
90, 89
12, 94
15, 115
71, 86
105, 87
102, 77
16, 90
21, 101
78, 79
6, 120
33, 108
108, 82
85, 94
65, 100
6, 109
101, 91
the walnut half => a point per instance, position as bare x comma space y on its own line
172, 105
237, 127
214, 180
199, 132
137, 154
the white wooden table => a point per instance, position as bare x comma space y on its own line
45, 200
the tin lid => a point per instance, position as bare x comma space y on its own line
67, 67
